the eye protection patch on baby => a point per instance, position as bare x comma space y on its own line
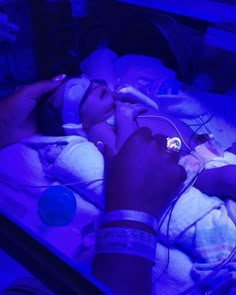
73, 93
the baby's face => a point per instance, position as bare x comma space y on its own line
98, 104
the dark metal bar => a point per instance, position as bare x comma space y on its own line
45, 265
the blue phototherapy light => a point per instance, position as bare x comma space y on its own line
57, 206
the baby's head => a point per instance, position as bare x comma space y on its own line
78, 102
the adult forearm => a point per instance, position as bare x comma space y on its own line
124, 274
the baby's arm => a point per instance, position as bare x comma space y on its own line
218, 182
104, 133
125, 114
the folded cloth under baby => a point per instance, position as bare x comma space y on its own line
75, 162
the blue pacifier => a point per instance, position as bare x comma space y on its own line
57, 206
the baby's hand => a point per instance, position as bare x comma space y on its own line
129, 110
126, 124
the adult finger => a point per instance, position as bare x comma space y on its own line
161, 140
140, 136
36, 90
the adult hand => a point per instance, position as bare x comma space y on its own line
17, 112
143, 176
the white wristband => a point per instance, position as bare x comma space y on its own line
126, 241
137, 216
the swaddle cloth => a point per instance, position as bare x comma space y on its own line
73, 161
80, 166
204, 229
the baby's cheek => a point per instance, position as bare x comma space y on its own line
89, 119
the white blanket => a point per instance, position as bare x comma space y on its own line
203, 229
22, 181
191, 238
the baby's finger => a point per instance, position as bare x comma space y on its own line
122, 104
100, 146
139, 109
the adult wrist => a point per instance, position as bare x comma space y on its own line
126, 203
127, 232
131, 218
129, 224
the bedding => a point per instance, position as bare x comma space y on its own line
189, 247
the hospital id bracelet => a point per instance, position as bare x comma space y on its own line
131, 215
128, 241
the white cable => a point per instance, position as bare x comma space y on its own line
47, 186
168, 120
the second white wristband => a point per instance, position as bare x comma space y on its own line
131, 215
